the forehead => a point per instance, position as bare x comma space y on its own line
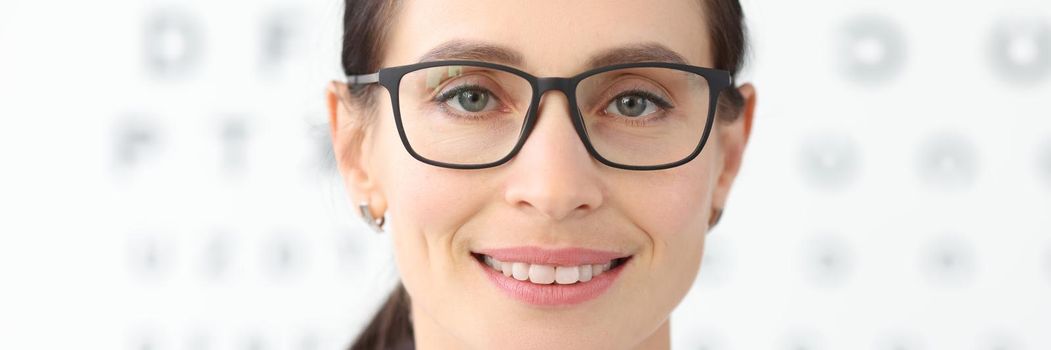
551, 37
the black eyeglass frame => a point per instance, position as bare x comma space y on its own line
390, 79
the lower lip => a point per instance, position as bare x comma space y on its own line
553, 294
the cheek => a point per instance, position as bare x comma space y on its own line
671, 207
421, 198
426, 206
434, 201
671, 203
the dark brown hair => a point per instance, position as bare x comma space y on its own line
365, 25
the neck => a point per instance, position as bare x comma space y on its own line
431, 336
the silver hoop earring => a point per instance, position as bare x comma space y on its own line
372, 221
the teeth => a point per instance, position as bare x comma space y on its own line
492, 262
506, 267
520, 271
541, 274
547, 274
585, 273
567, 274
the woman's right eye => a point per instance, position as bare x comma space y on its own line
470, 99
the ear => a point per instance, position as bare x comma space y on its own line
352, 148
733, 137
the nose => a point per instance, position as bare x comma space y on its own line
553, 175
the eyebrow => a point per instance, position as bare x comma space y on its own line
482, 51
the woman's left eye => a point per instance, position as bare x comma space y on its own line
634, 104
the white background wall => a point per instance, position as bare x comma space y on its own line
166, 183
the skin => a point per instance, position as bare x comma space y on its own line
553, 194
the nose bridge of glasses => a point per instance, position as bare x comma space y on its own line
544, 85
565, 85
558, 129
554, 83
561, 136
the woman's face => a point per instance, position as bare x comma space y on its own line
551, 196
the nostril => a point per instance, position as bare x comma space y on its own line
554, 208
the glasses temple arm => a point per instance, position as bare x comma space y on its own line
363, 79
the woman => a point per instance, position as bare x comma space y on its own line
574, 219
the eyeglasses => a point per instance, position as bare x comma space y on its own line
474, 115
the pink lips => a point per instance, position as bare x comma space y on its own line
553, 294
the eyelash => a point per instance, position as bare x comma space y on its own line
448, 95
444, 97
660, 102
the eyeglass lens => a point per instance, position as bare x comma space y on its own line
640, 116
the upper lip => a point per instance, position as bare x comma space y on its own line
544, 256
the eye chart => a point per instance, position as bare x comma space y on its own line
168, 181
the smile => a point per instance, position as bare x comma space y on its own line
551, 277
548, 274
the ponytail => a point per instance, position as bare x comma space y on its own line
391, 327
